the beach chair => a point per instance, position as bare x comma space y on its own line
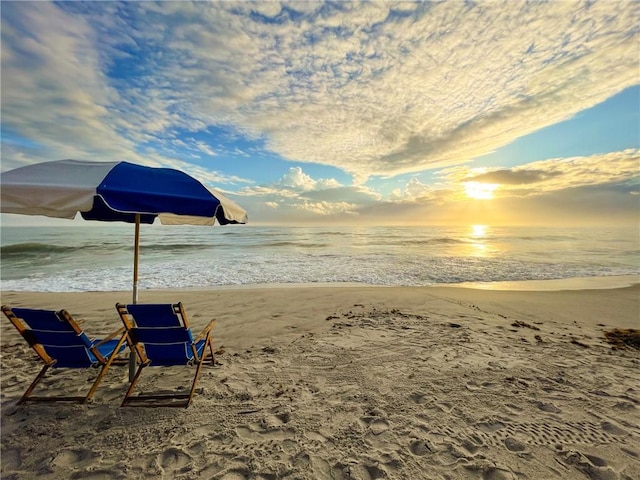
60, 342
159, 336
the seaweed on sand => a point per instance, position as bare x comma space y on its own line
620, 338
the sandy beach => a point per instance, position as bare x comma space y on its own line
342, 382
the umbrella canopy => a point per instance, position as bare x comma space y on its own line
115, 191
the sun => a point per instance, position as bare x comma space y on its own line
479, 191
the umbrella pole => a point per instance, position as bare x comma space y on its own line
136, 250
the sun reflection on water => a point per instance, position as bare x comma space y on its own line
479, 243
478, 230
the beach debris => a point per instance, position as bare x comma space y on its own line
270, 350
521, 324
538, 338
332, 317
247, 412
342, 324
455, 325
621, 338
579, 343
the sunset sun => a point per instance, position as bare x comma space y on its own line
479, 191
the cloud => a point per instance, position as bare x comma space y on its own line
296, 179
554, 174
328, 208
513, 177
297, 194
374, 88
413, 191
381, 94
59, 102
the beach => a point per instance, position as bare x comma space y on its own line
343, 382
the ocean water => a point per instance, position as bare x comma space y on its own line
99, 257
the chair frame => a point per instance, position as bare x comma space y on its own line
25, 331
137, 348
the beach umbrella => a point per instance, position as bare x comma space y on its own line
115, 192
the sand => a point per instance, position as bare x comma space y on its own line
347, 383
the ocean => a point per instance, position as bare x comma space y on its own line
100, 257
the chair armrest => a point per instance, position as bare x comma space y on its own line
206, 330
111, 337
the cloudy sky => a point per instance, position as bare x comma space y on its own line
306, 112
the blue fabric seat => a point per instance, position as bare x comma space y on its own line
60, 342
159, 335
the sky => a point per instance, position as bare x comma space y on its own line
341, 113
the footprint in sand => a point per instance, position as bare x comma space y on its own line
548, 407
379, 426
11, 459
597, 461
418, 397
631, 453
513, 409
276, 420
491, 471
593, 467
376, 425
419, 448
174, 460
256, 434
613, 430
470, 446
490, 427
574, 433
445, 407
75, 458
514, 445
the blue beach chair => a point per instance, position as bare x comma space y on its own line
60, 343
159, 336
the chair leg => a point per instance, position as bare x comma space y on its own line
198, 368
195, 381
104, 369
29, 390
133, 384
213, 355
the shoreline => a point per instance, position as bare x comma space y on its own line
560, 284
575, 283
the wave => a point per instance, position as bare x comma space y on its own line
419, 241
178, 247
286, 243
33, 247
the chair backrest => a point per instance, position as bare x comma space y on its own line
160, 333
53, 335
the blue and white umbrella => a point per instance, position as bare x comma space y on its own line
115, 191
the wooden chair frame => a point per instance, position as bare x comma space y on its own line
49, 362
137, 347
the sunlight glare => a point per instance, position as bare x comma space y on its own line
479, 230
479, 191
